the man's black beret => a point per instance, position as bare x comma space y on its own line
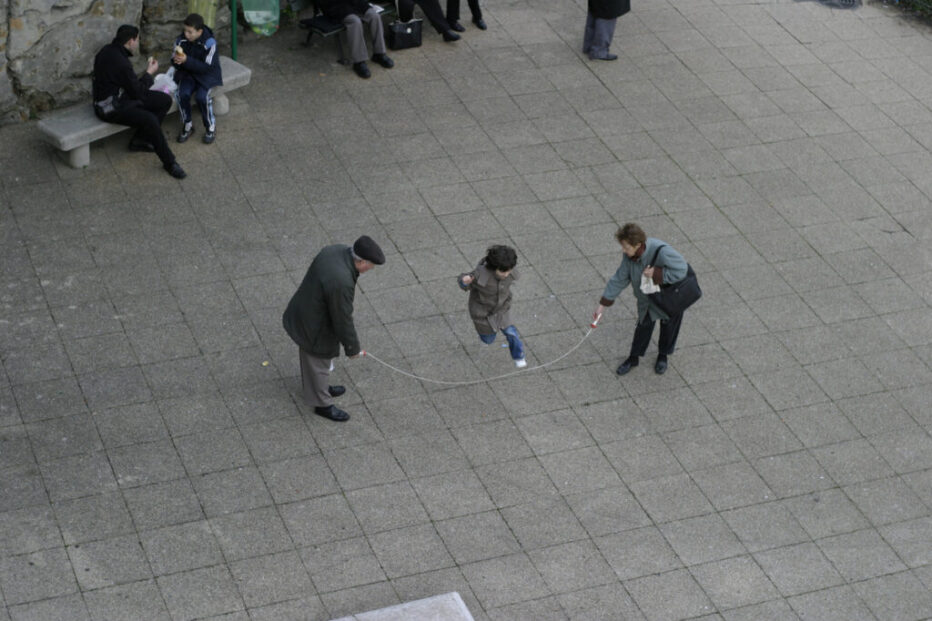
366, 248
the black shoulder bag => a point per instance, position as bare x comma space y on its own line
674, 298
401, 35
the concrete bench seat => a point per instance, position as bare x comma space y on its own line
446, 607
71, 130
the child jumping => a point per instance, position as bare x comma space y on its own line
197, 70
489, 287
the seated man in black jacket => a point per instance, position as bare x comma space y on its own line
122, 97
353, 13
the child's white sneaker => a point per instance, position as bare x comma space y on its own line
521, 363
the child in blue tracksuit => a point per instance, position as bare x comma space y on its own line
197, 70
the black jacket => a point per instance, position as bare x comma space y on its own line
114, 75
319, 316
202, 62
609, 9
338, 9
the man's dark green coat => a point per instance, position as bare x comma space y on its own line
319, 316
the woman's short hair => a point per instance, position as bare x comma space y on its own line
502, 258
632, 234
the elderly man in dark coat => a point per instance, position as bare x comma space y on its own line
319, 318
600, 27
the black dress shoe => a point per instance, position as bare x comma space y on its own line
627, 365
333, 413
457, 27
141, 145
449, 36
480, 23
176, 171
606, 57
383, 60
661, 365
336, 391
362, 70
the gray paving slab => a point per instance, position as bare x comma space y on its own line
157, 460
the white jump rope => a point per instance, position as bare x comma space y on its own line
592, 326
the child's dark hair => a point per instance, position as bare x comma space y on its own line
194, 20
502, 258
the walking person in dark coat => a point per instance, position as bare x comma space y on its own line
319, 318
600, 27
122, 97
641, 250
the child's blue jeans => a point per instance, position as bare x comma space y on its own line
515, 346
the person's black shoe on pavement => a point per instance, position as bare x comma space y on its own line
333, 413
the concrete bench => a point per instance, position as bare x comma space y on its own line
72, 130
446, 607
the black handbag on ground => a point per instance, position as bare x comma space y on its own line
402, 35
676, 297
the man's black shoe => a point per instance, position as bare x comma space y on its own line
457, 27
383, 60
606, 57
624, 367
137, 144
336, 391
362, 70
480, 23
661, 365
449, 36
176, 171
333, 413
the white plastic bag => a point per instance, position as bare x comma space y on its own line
165, 82
648, 286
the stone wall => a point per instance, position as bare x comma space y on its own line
47, 47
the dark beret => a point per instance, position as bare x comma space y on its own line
366, 248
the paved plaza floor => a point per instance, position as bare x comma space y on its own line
157, 461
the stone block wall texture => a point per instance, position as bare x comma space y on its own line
47, 47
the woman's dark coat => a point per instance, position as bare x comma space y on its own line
609, 9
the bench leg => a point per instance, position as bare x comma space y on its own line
79, 157
221, 104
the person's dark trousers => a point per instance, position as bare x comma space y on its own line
431, 9
205, 103
147, 119
598, 36
669, 331
453, 10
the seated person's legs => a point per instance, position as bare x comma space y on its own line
432, 11
205, 104
148, 129
186, 88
